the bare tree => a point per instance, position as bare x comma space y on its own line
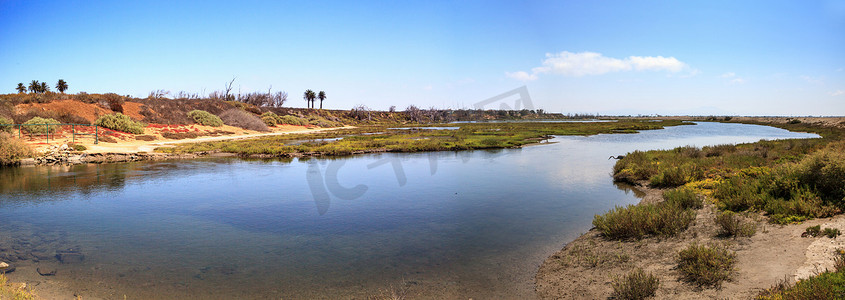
392, 108
360, 112
227, 96
414, 113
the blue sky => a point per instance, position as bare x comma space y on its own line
618, 57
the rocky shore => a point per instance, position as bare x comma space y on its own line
64, 155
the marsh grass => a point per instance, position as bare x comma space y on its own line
708, 265
791, 180
733, 225
379, 138
639, 221
635, 285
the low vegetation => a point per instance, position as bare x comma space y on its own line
37, 125
732, 224
826, 285
417, 138
240, 118
790, 180
12, 149
120, 122
639, 221
205, 118
6, 125
707, 265
635, 285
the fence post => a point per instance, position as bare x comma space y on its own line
73, 134
96, 134
20, 126
48, 133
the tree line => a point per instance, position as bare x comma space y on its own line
41, 87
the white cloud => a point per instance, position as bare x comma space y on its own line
592, 63
737, 81
728, 75
837, 93
521, 76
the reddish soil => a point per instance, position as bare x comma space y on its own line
133, 110
89, 112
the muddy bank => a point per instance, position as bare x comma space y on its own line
585, 268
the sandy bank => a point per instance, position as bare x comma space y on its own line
584, 268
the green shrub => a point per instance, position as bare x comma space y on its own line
812, 231
635, 166
40, 129
205, 118
78, 147
636, 285
292, 120
732, 225
269, 120
12, 149
120, 122
637, 221
831, 232
706, 265
685, 198
6, 125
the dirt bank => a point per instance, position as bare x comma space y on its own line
585, 268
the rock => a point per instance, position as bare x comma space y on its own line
28, 161
69, 256
6, 267
46, 272
63, 147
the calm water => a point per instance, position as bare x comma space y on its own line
444, 225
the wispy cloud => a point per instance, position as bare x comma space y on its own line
837, 93
813, 80
733, 78
592, 63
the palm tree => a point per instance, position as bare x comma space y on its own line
321, 96
61, 86
21, 88
307, 97
34, 86
44, 87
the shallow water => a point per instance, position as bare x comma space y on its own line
470, 224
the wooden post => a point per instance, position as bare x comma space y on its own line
96, 134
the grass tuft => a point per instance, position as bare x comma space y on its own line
636, 285
706, 264
732, 225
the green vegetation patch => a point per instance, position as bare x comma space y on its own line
732, 224
381, 138
205, 118
635, 285
791, 180
36, 125
708, 265
120, 122
6, 124
638, 221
